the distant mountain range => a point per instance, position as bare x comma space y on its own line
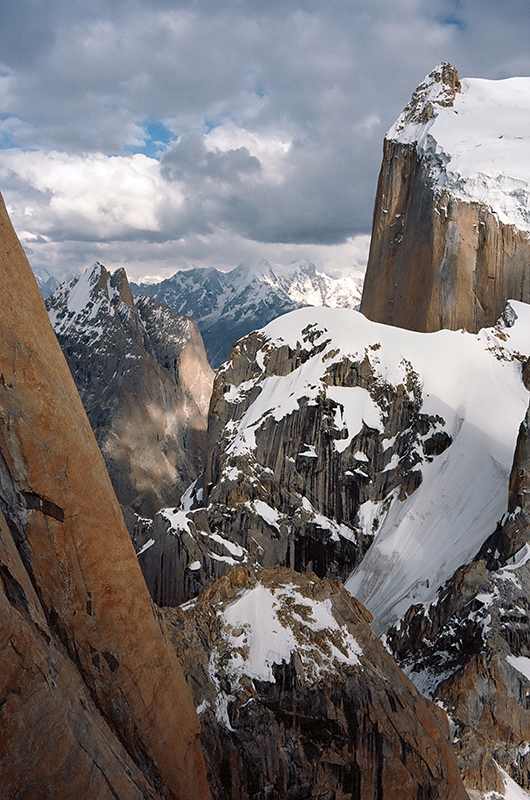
46, 282
229, 305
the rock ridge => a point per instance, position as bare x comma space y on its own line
145, 383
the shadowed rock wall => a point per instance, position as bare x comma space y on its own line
316, 726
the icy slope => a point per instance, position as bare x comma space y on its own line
471, 382
478, 141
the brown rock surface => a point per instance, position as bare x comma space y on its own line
53, 739
80, 611
322, 723
436, 261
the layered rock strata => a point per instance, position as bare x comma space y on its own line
450, 240
145, 383
93, 699
298, 698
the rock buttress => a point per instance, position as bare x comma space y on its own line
440, 256
436, 261
70, 533
328, 716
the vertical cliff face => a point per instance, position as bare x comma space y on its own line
145, 383
450, 239
80, 638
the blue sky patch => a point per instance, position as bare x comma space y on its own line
157, 138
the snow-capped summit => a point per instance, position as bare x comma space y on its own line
252, 269
450, 241
46, 282
437, 91
476, 135
87, 300
228, 305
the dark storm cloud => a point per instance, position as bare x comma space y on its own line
316, 84
190, 160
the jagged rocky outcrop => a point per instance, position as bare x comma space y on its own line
229, 305
298, 698
470, 649
145, 383
451, 229
343, 446
93, 702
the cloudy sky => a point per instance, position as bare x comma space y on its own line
163, 134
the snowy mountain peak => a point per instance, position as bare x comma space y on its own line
304, 266
89, 298
47, 282
251, 268
339, 407
474, 137
438, 90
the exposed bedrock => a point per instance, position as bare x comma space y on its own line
93, 701
436, 261
299, 699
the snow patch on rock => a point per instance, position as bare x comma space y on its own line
267, 625
478, 144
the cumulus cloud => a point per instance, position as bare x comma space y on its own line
174, 131
86, 197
